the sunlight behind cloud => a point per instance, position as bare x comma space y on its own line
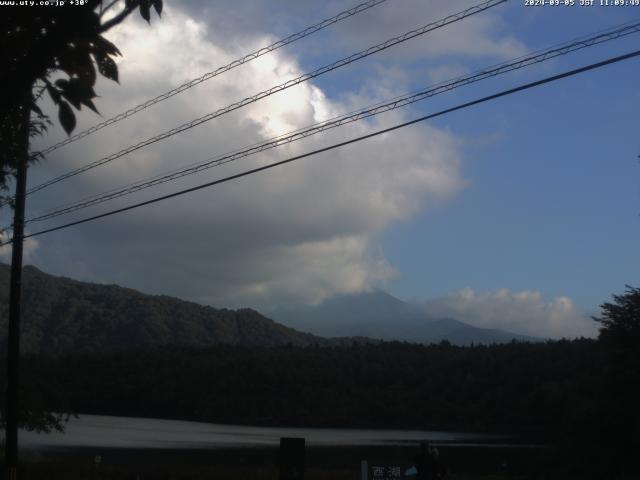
302, 232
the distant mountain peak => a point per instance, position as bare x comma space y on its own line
61, 315
378, 314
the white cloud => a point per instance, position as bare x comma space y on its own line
307, 272
476, 36
300, 232
29, 247
523, 312
442, 73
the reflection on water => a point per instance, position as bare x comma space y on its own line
103, 431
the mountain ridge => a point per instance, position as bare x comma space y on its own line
62, 315
378, 314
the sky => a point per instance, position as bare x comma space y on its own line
521, 213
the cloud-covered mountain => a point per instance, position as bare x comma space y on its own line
379, 315
65, 315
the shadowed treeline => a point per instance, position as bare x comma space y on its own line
517, 386
579, 397
559, 393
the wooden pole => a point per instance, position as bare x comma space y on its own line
13, 351
292, 458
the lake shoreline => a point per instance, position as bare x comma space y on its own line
123, 447
262, 463
142, 433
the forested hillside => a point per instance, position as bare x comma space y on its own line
64, 315
578, 396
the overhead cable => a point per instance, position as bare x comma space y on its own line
278, 88
392, 104
503, 93
225, 68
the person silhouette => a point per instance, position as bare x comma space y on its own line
427, 465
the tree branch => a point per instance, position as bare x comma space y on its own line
104, 10
116, 20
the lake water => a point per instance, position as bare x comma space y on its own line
126, 432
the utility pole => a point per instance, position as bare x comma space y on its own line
13, 355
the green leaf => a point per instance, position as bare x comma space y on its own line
145, 11
81, 88
89, 103
62, 83
76, 61
77, 90
36, 109
104, 46
72, 97
53, 93
108, 68
88, 73
67, 118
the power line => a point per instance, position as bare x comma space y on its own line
278, 88
342, 144
397, 102
230, 66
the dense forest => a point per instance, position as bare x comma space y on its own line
237, 367
511, 387
578, 396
